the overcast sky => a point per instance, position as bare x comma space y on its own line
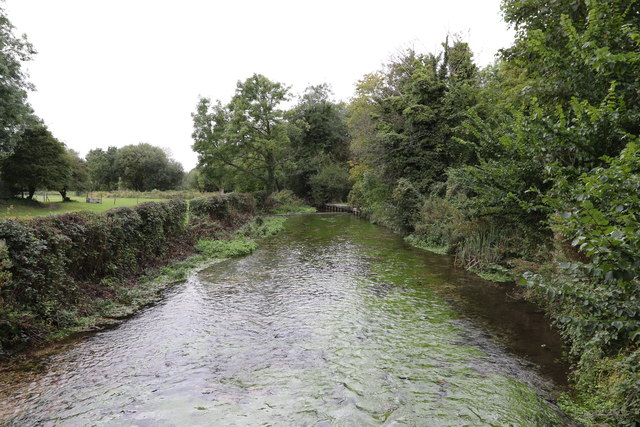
119, 72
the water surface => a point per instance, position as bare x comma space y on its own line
333, 322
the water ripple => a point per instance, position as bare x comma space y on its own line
328, 324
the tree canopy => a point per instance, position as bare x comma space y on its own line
39, 161
15, 112
249, 136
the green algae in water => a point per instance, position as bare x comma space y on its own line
334, 321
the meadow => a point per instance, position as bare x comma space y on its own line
51, 204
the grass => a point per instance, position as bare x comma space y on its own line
53, 205
417, 243
294, 209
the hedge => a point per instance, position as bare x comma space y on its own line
51, 265
54, 268
231, 209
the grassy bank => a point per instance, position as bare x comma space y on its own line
83, 270
54, 205
131, 297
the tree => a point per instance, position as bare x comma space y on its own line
248, 135
323, 139
404, 121
103, 174
144, 167
77, 177
39, 161
15, 113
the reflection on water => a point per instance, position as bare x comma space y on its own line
334, 322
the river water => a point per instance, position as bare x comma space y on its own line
333, 322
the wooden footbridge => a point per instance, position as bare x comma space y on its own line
329, 208
339, 207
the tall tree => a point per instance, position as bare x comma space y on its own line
103, 174
15, 113
404, 120
77, 177
248, 135
144, 167
39, 161
322, 144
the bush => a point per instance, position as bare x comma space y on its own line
439, 223
371, 194
330, 184
595, 297
283, 202
52, 266
231, 209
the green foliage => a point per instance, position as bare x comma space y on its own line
601, 217
431, 96
576, 49
247, 139
226, 248
229, 209
403, 120
54, 265
15, 112
77, 177
484, 245
39, 161
285, 202
597, 301
318, 167
103, 172
141, 167
330, 183
371, 194
439, 224
144, 167
261, 227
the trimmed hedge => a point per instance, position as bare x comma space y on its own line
230, 209
54, 265
53, 269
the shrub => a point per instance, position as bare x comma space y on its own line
330, 184
283, 202
232, 209
595, 297
50, 266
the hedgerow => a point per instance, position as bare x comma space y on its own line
232, 209
54, 265
54, 270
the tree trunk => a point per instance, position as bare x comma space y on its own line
32, 191
63, 193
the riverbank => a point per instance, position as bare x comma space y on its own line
81, 271
335, 321
150, 288
596, 316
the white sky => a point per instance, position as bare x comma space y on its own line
119, 72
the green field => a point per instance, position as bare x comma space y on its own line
53, 204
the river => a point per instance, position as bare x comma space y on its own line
333, 322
